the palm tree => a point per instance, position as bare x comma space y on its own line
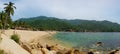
9, 10
2, 19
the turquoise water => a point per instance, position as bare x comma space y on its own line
88, 39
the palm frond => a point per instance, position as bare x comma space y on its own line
5, 4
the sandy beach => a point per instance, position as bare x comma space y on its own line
26, 37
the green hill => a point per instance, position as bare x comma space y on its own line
52, 23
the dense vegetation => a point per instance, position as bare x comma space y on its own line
52, 23
5, 15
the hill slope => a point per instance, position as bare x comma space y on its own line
52, 23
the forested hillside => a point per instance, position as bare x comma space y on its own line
52, 23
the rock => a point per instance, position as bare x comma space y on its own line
97, 52
45, 51
34, 51
64, 51
55, 47
53, 52
90, 52
70, 51
26, 47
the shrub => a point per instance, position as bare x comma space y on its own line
15, 37
2, 52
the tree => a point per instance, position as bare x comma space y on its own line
9, 10
2, 19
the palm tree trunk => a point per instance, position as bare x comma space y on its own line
4, 27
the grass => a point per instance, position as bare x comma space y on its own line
15, 37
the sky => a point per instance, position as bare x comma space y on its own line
67, 9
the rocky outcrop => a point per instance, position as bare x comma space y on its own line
10, 46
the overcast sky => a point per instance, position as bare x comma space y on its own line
67, 9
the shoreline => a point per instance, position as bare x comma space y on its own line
43, 37
40, 41
31, 39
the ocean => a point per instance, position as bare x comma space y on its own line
110, 40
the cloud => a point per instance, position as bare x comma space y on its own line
69, 9
1, 6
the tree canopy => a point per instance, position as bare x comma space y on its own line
5, 15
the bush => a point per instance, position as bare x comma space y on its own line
15, 37
2, 52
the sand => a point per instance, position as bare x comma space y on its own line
11, 47
27, 36
8, 45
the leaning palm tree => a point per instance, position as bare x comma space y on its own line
9, 10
